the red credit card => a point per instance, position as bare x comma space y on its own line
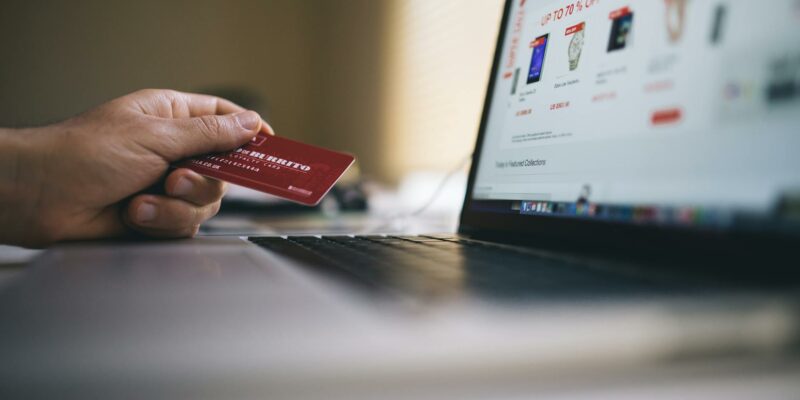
282, 167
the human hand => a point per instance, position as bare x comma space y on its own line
84, 178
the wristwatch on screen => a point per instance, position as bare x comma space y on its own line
675, 16
575, 48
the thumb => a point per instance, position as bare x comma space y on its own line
209, 134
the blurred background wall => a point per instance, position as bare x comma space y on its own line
400, 83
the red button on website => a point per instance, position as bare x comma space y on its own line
668, 116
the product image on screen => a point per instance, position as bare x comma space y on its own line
516, 81
575, 44
620, 29
719, 19
539, 47
675, 18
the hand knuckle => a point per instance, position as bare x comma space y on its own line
215, 208
149, 92
218, 191
196, 216
209, 125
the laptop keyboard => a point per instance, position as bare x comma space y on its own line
446, 266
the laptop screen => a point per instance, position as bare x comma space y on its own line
667, 112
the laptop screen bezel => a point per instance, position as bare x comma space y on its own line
594, 233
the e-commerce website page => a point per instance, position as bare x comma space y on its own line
679, 103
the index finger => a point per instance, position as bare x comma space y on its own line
204, 104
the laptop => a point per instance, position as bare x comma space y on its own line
624, 149
635, 176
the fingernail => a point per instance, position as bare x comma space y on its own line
248, 120
146, 213
183, 187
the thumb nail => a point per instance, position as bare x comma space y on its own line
248, 120
146, 213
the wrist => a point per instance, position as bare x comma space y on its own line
21, 172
